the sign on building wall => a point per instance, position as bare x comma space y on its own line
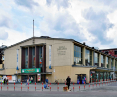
50, 47
32, 70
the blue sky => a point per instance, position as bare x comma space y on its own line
90, 21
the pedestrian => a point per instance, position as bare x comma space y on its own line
4, 81
31, 79
7, 80
68, 81
46, 82
27, 82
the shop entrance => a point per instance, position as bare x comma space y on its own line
33, 76
81, 78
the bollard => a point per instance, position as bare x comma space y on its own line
89, 84
14, 86
35, 86
58, 87
99, 83
102, 82
50, 86
7, 87
79, 86
21, 86
105, 82
28, 86
73, 87
96, 83
42, 86
93, 84
65, 85
1, 86
84, 85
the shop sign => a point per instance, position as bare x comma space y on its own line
9, 77
93, 71
32, 70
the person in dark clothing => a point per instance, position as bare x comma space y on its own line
68, 81
4, 81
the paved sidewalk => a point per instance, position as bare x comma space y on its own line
53, 87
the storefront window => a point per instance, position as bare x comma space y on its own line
88, 57
102, 61
101, 76
108, 75
96, 59
77, 54
111, 63
40, 56
26, 57
107, 62
104, 75
33, 57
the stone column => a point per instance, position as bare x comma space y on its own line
83, 56
105, 65
99, 59
109, 63
113, 62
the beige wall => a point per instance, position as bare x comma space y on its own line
60, 73
0, 66
59, 57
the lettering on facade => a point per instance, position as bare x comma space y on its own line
62, 50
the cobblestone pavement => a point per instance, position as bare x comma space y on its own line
109, 90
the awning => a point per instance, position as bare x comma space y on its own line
33, 73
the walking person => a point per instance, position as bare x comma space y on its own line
7, 81
46, 82
4, 81
68, 81
27, 82
31, 79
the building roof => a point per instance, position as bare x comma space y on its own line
64, 39
42, 37
109, 49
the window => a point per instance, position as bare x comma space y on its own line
88, 57
77, 54
115, 52
107, 62
26, 57
106, 52
96, 59
111, 63
33, 57
40, 56
102, 61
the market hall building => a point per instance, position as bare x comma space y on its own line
56, 58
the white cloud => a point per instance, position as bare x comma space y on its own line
63, 18
13, 37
